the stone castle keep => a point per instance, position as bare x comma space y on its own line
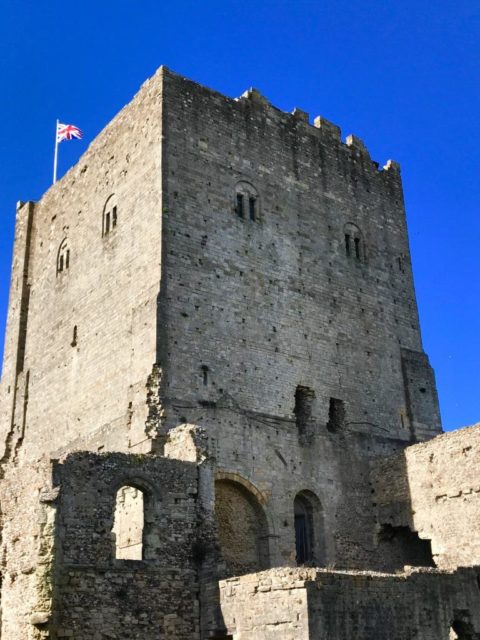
217, 419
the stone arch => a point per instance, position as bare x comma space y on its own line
309, 529
131, 518
242, 525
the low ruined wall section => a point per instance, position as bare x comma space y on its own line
434, 488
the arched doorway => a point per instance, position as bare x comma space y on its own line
242, 528
308, 529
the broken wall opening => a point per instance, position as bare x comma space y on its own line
242, 528
336, 415
304, 397
405, 547
129, 523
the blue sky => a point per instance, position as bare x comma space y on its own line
403, 76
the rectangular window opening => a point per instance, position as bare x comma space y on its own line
67, 259
240, 205
107, 222
347, 244
336, 415
304, 397
114, 217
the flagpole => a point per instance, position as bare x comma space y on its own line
55, 157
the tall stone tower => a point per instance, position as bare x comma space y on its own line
213, 310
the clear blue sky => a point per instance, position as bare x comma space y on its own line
403, 76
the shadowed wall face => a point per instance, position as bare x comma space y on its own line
242, 527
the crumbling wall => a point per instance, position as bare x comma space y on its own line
61, 576
434, 489
300, 604
29, 520
146, 598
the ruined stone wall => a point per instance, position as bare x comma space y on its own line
434, 488
253, 309
60, 574
27, 551
312, 604
264, 458
152, 598
90, 341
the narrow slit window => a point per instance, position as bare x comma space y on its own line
357, 249
347, 244
109, 215
60, 264
251, 204
240, 205
205, 375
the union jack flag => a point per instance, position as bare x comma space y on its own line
67, 132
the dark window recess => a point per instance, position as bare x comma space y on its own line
303, 530
347, 244
75, 337
252, 207
400, 264
110, 219
60, 264
304, 397
462, 628
336, 415
239, 208
205, 375
357, 249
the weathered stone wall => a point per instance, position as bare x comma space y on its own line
157, 596
434, 488
60, 574
299, 604
27, 550
90, 342
264, 457
252, 309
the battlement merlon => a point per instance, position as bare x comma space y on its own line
328, 130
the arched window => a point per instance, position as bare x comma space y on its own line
247, 203
128, 523
354, 244
242, 528
109, 216
308, 529
63, 257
